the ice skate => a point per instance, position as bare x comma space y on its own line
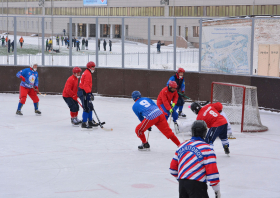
19, 113
75, 122
144, 147
37, 112
85, 126
230, 136
80, 121
226, 149
181, 114
176, 127
93, 123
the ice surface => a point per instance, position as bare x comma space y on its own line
46, 157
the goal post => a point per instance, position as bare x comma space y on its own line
240, 103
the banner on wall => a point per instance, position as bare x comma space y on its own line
95, 2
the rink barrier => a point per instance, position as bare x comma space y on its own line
117, 82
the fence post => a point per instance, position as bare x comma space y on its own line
167, 56
29, 59
43, 41
174, 43
138, 57
15, 40
70, 41
123, 42
149, 43
88, 58
252, 46
200, 45
193, 56
96, 41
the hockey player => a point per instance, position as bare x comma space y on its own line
216, 123
179, 79
70, 95
149, 114
86, 96
194, 163
164, 99
29, 83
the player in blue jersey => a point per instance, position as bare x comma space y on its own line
179, 79
149, 114
28, 86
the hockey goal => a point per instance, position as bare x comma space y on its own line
240, 103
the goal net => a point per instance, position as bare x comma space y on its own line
240, 103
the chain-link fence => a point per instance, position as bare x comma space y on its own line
242, 46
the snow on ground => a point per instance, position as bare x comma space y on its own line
44, 156
136, 55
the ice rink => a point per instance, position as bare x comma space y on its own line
46, 157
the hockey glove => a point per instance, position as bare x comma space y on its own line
173, 105
217, 194
171, 111
37, 88
75, 97
217, 190
92, 97
150, 129
89, 95
22, 78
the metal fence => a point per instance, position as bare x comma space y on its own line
242, 46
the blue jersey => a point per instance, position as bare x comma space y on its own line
31, 78
180, 82
145, 107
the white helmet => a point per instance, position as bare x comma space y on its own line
32, 66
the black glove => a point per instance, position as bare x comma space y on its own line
90, 96
150, 129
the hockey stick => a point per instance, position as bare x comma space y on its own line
39, 92
101, 123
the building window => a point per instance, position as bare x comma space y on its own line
248, 10
139, 12
161, 11
154, 30
195, 31
190, 11
117, 11
179, 30
217, 11
147, 11
198, 10
208, 11
154, 11
274, 11
263, 10
237, 11
171, 30
227, 11
162, 30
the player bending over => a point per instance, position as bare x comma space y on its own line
70, 95
86, 96
29, 82
216, 123
164, 99
149, 114
194, 163
179, 79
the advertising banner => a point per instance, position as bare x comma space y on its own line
95, 2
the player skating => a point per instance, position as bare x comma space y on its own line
29, 82
179, 79
216, 123
70, 95
86, 96
149, 114
194, 163
164, 99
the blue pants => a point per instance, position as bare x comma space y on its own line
214, 132
174, 114
87, 105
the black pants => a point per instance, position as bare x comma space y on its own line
87, 105
72, 104
192, 189
180, 101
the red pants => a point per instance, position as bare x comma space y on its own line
23, 91
160, 122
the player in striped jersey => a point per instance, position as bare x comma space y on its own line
194, 163
149, 114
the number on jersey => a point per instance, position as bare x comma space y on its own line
145, 103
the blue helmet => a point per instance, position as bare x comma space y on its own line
135, 95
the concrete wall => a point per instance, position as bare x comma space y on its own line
122, 82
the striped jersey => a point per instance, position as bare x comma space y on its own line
195, 160
145, 107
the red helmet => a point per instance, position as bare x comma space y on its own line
90, 64
181, 70
76, 70
172, 84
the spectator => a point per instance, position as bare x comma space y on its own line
57, 40
110, 45
99, 44
21, 41
104, 45
74, 42
86, 44
62, 40
9, 45
47, 44
3, 41
6, 40
83, 44
50, 44
78, 45
12, 44
158, 46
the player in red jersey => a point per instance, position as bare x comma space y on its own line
86, 96
70, 95
216, 123
164, 99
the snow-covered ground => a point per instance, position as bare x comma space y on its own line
44, 156
136, 55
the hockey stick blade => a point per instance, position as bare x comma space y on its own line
105, 129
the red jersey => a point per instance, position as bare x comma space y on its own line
211, 116
71, 87
86, 81
165, 97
